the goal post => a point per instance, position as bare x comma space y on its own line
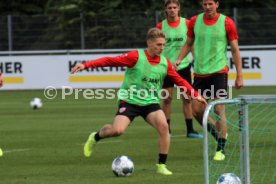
251, 142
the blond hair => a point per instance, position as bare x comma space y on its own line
154, 33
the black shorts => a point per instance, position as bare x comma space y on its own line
131, 110
185, 73
212, 87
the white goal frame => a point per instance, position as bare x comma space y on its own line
243, 101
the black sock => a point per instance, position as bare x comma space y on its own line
212, 130
169, 125
162, 158
221, 144
97, 136
189, 125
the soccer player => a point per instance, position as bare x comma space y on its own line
209, 33
175, 28
146, 70
1, 84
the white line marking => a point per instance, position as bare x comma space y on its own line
16, 150
181, 135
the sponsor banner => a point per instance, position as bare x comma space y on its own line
40, 71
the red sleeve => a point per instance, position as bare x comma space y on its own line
128, 59
191, 26
187, 23
231, 30
175, 77
159, 25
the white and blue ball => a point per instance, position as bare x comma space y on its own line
228, 178
122, 166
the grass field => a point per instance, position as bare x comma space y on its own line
45, 146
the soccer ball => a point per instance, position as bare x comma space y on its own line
228, 178
122, 166
36, 103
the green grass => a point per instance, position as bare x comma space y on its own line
45, 146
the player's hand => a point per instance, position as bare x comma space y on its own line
238, 82
201, 100
176, 63
77, 67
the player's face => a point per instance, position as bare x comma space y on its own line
156, 46
172, 10
210, 8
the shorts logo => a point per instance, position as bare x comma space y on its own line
122, 109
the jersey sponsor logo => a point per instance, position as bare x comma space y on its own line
180, 39
151, 80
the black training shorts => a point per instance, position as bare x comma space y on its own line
185, 73
214, 86
131, 110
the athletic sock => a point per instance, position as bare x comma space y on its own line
189, 125
97, 136
162, 158
221, 144
212, 130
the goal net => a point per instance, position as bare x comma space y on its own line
250, 150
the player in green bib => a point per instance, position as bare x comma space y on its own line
139, 94
175, 28
209, 33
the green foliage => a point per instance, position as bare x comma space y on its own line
118, 23
22, 7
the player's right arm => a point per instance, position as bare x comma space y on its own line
128, 59
188, 46
184, 51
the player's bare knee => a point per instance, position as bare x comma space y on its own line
219, 109
196, 111
163, 128
117, 132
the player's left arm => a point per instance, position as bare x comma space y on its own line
192, 48
237, 62
232, 36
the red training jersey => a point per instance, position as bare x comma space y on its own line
172, 24
129, 60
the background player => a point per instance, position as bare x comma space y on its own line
175, 28
209, 33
